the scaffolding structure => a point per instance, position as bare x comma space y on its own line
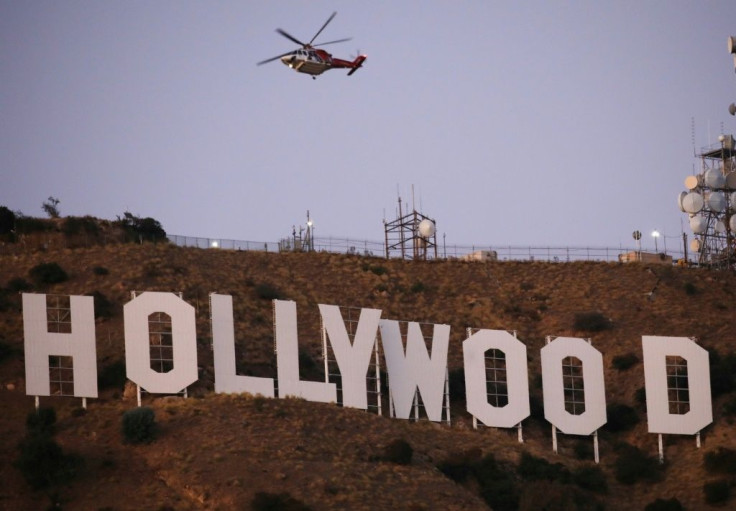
711, 204
411, 236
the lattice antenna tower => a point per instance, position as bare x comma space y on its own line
710, 202
412, 235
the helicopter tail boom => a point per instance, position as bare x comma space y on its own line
357, 64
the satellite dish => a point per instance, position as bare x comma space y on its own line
720, 227
732, 223
733, 201
427, 228
679, 203
691, 182
695, 245
636, 235
698, 224
714, 178
717, 201
692, 202
732, 109
731, 181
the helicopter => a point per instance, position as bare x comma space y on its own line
311, 59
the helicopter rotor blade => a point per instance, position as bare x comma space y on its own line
333, 42
323, 27
274, 58
291, 37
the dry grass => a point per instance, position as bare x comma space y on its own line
216, 452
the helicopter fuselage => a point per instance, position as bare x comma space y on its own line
308, 61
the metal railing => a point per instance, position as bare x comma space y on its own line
369, 248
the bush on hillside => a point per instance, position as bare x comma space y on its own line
48, 273
722, 373
138, 230
29, 225
497, 486
398, 451
532, 468
633, 465
266, 291
624, 362
41, 422
139, 425
722, 460
717, 492
591, 478
103, 306
74, 225
18, 285
265, 501
43, 463
665, 505
591, 322
112, 376
621, 417
7, 221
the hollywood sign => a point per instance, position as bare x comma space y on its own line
412, 370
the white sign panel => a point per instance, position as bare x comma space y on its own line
594, 415
416, 369
353, 358
223, 340
40, 344
517, 383
287, 358
138, 343
656, 350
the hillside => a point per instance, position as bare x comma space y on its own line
217, 452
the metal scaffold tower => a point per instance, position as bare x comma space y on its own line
411, 236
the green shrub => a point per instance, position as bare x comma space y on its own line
690, 289
729, 407
48, 273
497, 487
591, 322
6, 350
418, 287
7, 221
112, 376
532, 468
18, 285
722, 373
139, 425
722, 460
665, 505
624, 362
378, 270
100, 270
717, 492
457, 385
41, 422
591, 478
268, 292
621, 417
28, 225
43, 463
141, 229
264, 501
633, 465
583, 449
398, 451
460, 466
103, 306
80, 225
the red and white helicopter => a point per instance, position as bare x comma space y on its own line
312, 60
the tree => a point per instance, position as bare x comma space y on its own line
51, 207
7, 220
